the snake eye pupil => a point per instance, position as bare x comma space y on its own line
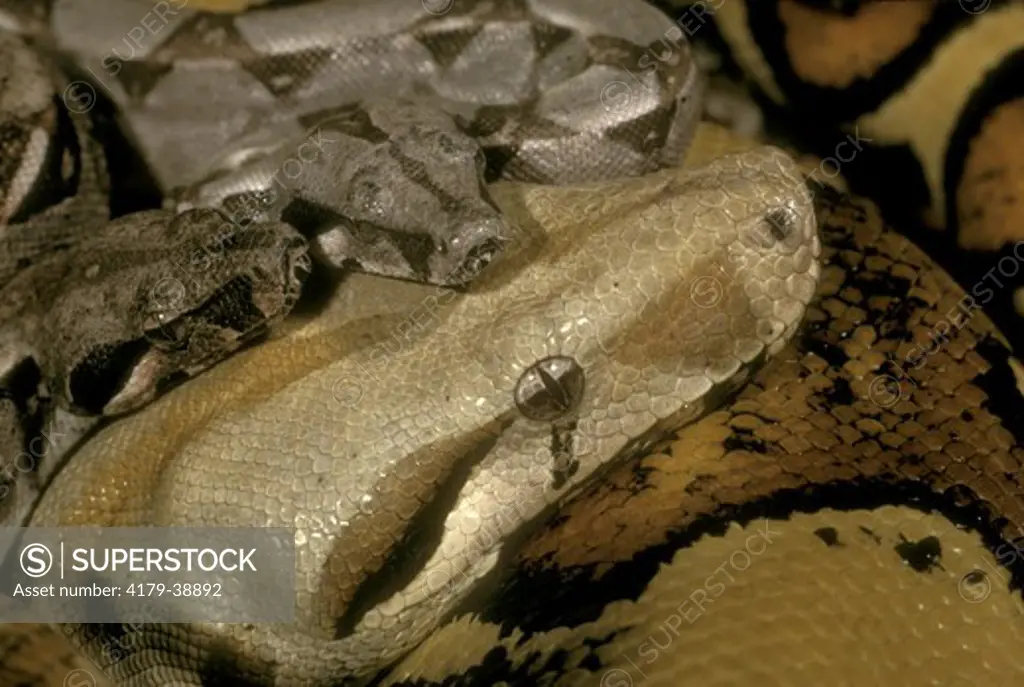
550, 389
165, 332
476, 260
481, 256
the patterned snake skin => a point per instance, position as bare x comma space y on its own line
900, 394
366, 124
613, 268
885, 571
934, 90
381, 171
578, 318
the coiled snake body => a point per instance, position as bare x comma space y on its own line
607, 594
400, 195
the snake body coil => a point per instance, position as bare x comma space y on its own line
402, 194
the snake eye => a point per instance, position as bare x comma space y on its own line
481, 256
476, 260
550, 389
167, 333
161, 324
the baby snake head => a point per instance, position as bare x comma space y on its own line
414, 203
132, 325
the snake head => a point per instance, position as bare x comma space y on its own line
407, 194
644, 319
160, 297
652, 301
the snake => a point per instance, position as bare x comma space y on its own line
613, 589
934, 85
384, 174
411, 168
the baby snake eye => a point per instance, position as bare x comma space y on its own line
550, 388
162, 325
166, 332
477, 259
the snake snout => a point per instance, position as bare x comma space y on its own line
770, 264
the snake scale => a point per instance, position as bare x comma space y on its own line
384, 173
734, 552
936, 87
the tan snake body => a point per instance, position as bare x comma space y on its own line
829, 467
614, 573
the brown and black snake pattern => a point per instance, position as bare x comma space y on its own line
938, 88
841, 421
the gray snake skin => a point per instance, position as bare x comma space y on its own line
367, 124
278, 116
383, 165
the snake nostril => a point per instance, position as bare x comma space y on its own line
550, 388
780, 223
476, 260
